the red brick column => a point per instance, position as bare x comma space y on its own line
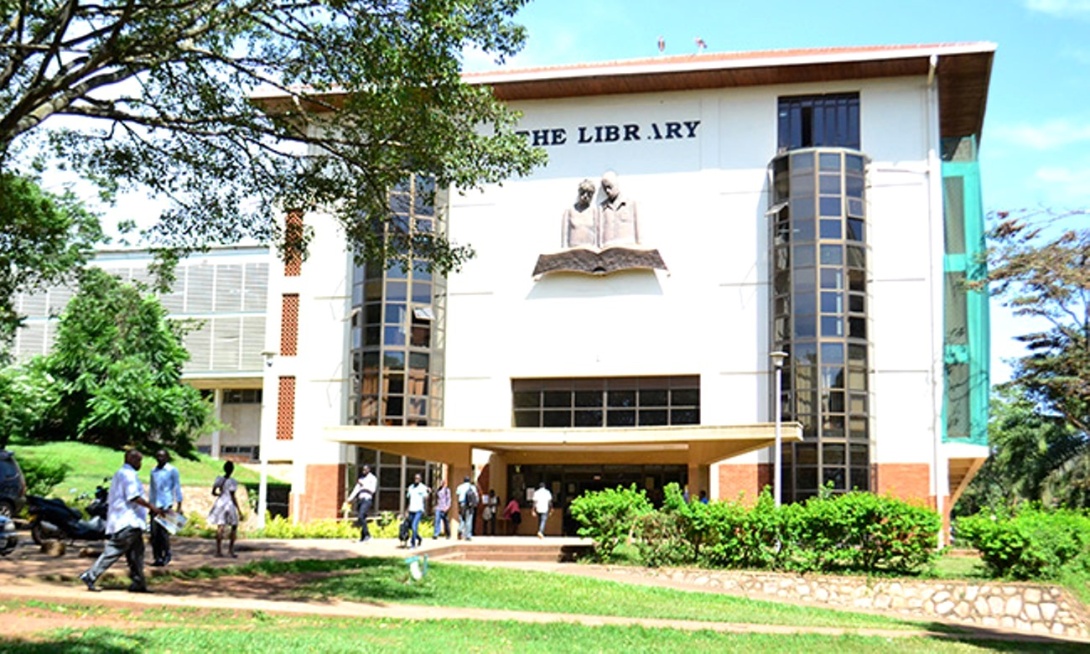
325, 491
745, 480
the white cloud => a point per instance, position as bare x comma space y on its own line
1060, 7
1049, 135
1065, 185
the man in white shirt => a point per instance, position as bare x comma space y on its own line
126, 519
166, 494
364, 494
418, 499
543, 506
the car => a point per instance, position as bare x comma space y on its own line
12, 485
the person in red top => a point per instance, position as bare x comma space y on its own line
513, 515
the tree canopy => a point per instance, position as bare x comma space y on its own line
161, 96
1040, 426
44, 238
113, 377
1047, 277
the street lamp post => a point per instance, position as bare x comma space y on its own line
777, 457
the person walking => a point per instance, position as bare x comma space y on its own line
543, 506
225, 512
126, 519
364, 495
468, 499
442, 510
166, 494
418, 497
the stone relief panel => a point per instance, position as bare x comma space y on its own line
598, 239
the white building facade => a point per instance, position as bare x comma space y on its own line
823, 203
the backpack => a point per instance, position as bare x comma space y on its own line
471, 497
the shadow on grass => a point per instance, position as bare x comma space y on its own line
97, 641
1004, 641
373, 580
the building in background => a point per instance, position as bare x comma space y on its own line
223, 292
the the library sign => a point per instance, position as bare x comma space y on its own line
613, 133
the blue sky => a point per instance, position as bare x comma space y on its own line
1035, 151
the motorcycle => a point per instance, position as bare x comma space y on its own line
52, 519
8, 539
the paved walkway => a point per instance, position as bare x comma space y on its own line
28, 574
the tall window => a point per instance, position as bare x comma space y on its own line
808, 121
606, 402
819, 313
395, 369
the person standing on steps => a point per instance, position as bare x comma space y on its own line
166, 494
488, 513
442, 510
418, 498
225, 512
543, 506
126, 519
364, 495
469, 496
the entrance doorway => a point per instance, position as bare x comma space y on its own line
567, 482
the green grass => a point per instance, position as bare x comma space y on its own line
264, 633
90, 464
386, 580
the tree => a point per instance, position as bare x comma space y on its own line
1042, 271
116, 369
162, 97
1033, 456
44, 237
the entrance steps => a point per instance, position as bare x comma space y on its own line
485, 549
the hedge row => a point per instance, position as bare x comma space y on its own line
857, 532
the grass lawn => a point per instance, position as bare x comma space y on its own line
90, 464
190, 631
386, 580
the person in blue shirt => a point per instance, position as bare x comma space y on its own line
166, 494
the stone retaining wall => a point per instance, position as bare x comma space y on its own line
1032, 608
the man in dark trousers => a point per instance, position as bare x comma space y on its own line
126, 519
166, 494
364, 495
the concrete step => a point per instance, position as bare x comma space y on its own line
541, 553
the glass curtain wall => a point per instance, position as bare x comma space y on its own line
396, 341
819, 296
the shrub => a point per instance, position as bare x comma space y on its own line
279, 527
867, 532
609, 517
42, 475
1030, 543
661, 541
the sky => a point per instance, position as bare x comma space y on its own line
1035, 149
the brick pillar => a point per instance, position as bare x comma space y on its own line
743, 482
325, 491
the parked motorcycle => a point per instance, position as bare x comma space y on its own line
52, 519
8, 539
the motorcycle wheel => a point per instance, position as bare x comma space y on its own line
39, 533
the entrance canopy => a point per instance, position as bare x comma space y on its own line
687, 445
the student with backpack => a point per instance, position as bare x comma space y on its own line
469, 496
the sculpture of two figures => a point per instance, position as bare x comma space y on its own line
600, 238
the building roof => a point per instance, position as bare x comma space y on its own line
963, 71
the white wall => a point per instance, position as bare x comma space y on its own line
701, 204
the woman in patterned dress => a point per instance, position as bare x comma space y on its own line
225, 511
